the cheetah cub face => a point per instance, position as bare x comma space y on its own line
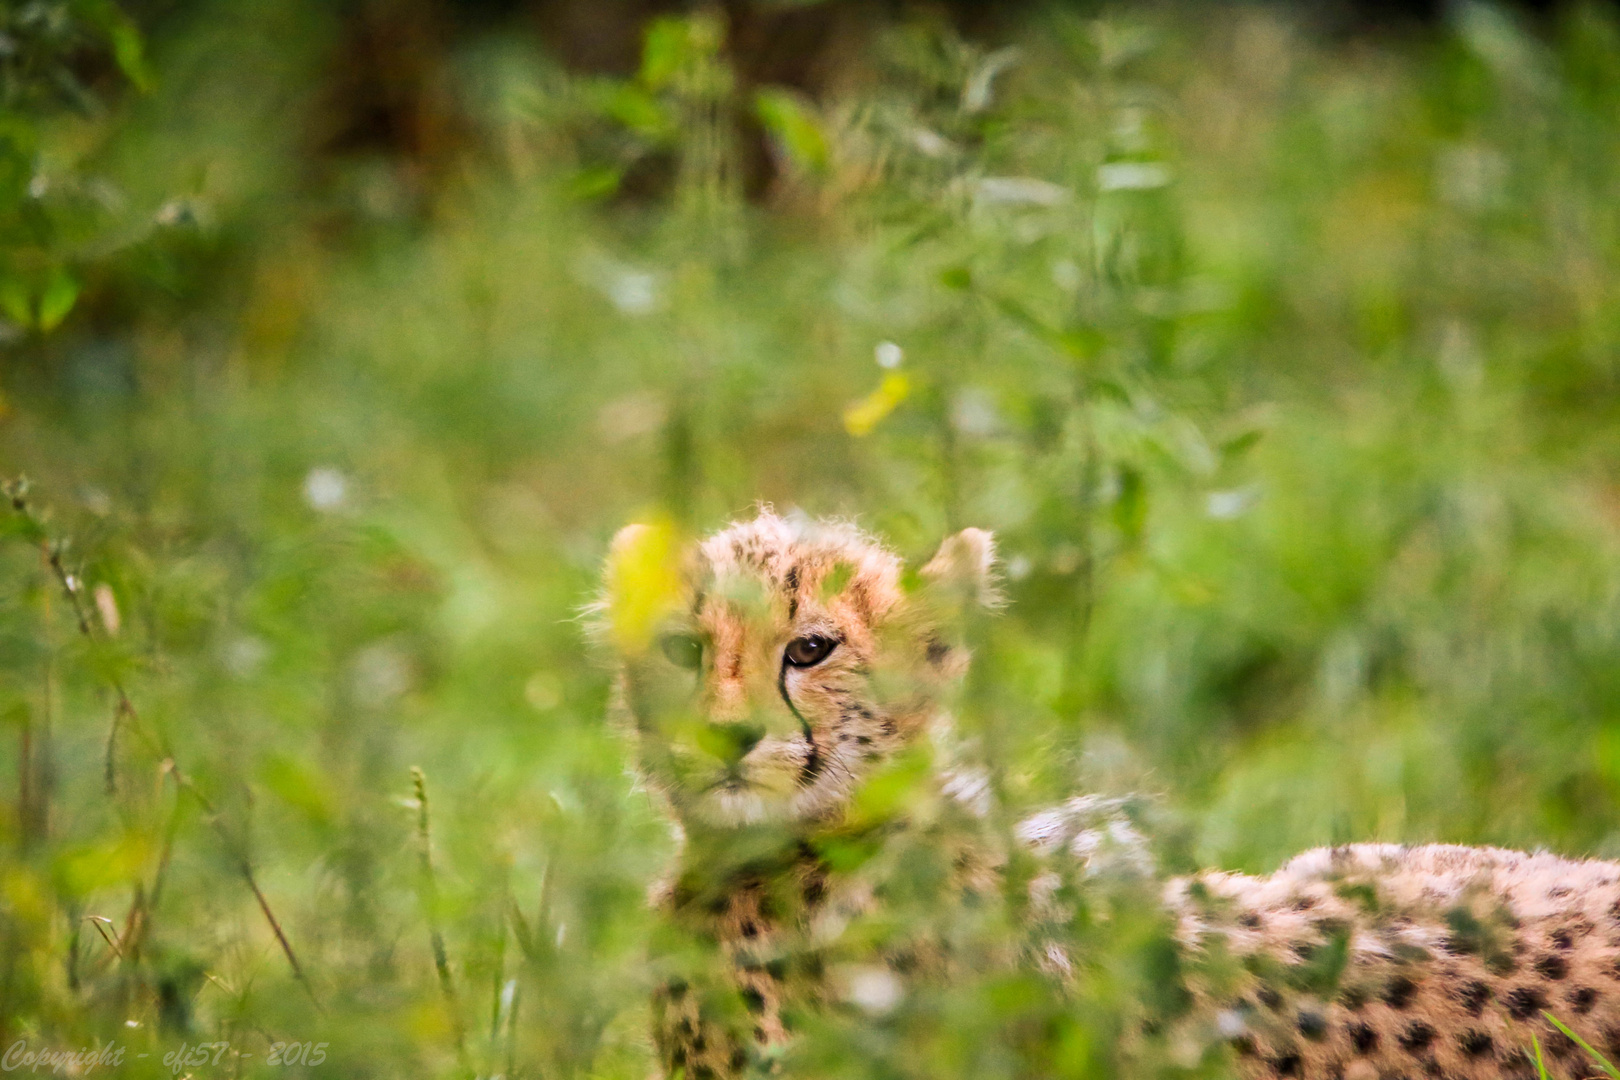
786, 661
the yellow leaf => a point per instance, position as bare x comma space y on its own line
864, 415
82, 870
643, 582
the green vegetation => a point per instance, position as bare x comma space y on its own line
1286, 370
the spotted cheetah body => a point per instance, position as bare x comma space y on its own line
1452, 960
1362, 962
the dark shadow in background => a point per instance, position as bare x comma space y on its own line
384, 95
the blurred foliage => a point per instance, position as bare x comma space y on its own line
50, 216
1285, 371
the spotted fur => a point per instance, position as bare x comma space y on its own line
1364, 962
1374, 961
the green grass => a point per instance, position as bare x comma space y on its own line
1597, 1058
1284, 369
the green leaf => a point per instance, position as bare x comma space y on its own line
794, 126
300, 785
676, 45
130, 53
1541, 1065
1602, 1061
1130, 507
15, 302
639, 111
663, 52
595, 182
57, 299
1240, 444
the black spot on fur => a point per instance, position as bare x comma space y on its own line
676, 989
937, 651
1249, 920
1558, 892
1473, 995
1563, 939
1311, 1025
753, 1000
1523, 1001
1560, 1044
864, 740
1286, 1064
1582, 998
1398, 994
1269, 997
1417, 1036
777, 969
1518, 1066
1353, 997
1363, 1038
739, 1058
1552, 966
1501, 964
703, 1072
1475, 1043
1243, 1046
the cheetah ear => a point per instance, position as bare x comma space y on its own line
965, 566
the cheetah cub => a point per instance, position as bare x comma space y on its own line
782, 671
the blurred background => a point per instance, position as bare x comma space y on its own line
1279, 345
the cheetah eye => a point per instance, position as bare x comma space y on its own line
683, 650
808, 651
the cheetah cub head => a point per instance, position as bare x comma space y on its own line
772, 667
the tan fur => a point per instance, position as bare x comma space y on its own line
1454, 954
1366, 962
749, 881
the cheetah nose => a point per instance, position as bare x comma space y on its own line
732, 742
